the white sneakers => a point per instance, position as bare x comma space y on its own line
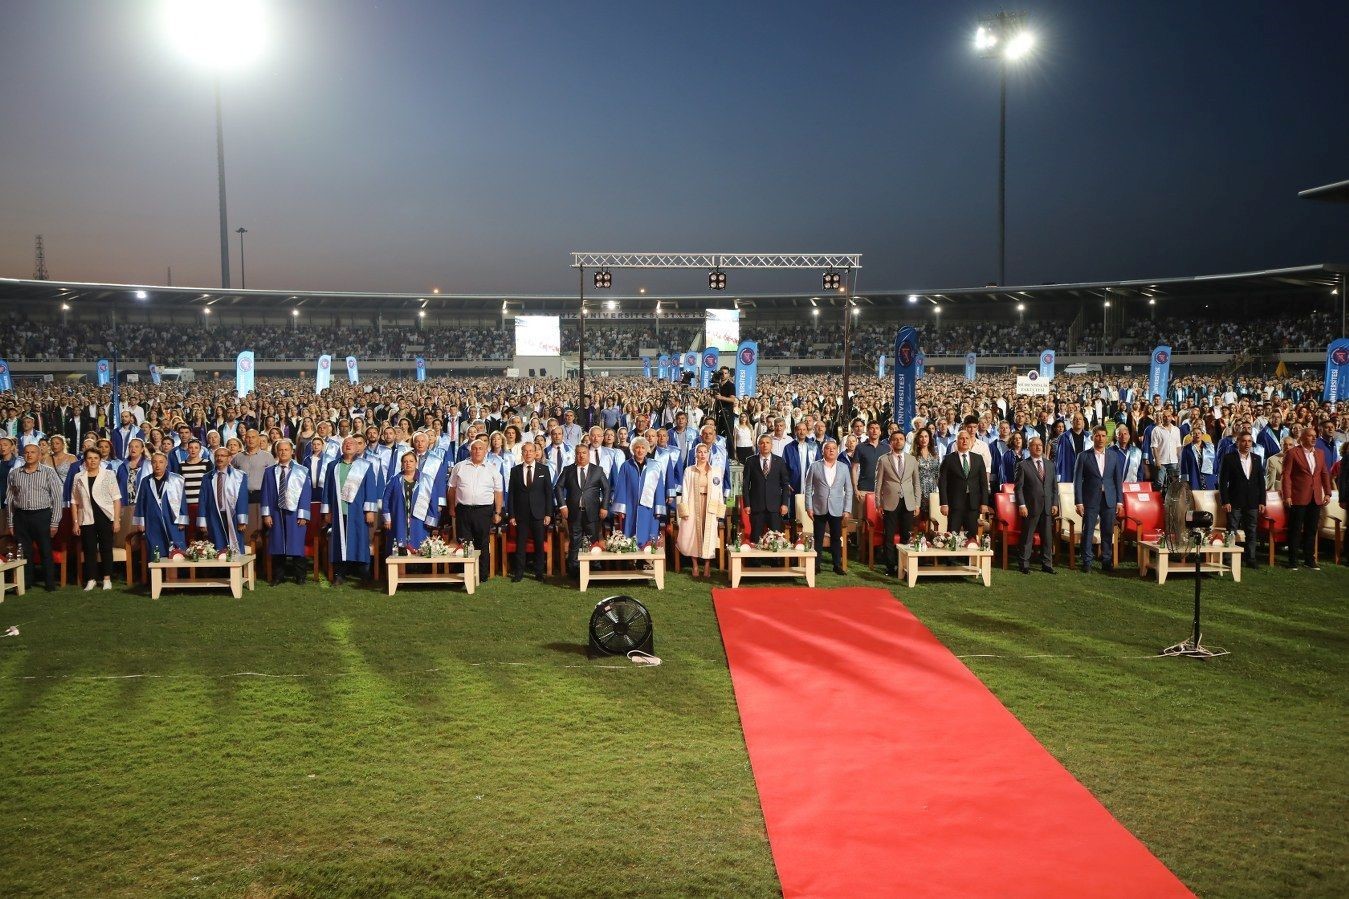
107, 585
89, 586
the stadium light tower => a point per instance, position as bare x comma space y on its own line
1003, 37
219, 35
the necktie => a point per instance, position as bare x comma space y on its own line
765, 468
1040, 469
529, 476
965, 464
220, 491
899, 465
285, 481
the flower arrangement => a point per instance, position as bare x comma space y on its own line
433, 547
952, 541
774, 542
200, 551
986, 542
654, 546
621, 543
918, 542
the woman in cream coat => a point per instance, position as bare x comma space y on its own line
701, 506
96, 506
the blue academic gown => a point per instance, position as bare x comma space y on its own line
350, 538
797, 466
1191, 467
290, 513
673, 460
1269, 441
503, 464
403, 523
123, 436
162, 513
222, 529
639, 520
1065, 457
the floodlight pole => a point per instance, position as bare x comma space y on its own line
581, 359
1002, 172
220, 170
847, 345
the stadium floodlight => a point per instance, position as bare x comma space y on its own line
220, 34
815, 312
65, 307
832, 280
1152, 301
936, 310
643, 290
140, 294
610, 305
913, 298
421, 313
1019, 45
603, 279
435, 290
206, 311
1020, 307
716, 279
1006, 38
295, 313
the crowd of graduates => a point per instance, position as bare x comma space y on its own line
406, 458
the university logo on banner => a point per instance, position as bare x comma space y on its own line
102, 372
690, 361
353, 375
155, 376
421, 368
6, 379
323, 377
1159, 372
711, 357
906, 376
1336, 389
747, 368
971, 362
1047, 364
243, 373
663, 367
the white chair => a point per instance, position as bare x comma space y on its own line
1207, 501
1333, 521
1070, 527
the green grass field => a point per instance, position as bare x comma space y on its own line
435, 743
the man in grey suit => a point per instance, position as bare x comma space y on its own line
583, 495
1037, 501
829, 495
896, 497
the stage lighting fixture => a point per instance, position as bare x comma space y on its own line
603, 279
832, 280
716, 279
140, 294
610, 305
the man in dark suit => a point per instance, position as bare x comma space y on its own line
1098, 493
768, 491
530, 501
582, 495
1305, 489
1037, 501
1241, 489
962, 486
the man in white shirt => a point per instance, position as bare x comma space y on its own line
1165, 451
475, 491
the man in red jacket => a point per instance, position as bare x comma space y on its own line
1305, 489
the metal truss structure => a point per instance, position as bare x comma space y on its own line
716, 260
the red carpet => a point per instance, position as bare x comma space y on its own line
885, 768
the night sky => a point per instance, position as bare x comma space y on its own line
401, 145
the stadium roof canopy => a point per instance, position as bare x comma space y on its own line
1301, 281
1334, 193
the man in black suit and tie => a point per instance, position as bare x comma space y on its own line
962, 487
1037, 501
768, 490
531, 509
1241, 489
583, 496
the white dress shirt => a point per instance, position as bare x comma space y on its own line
475, 485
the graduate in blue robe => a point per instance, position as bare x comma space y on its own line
673, 462
412, 503
1270, 441
1197, 464
122, 436
641, 489
224, 524
1070, 443
161, 509
350, 502
287, 492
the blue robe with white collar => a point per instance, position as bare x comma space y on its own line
289, 514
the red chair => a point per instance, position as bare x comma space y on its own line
744, 518
1008, 487
1144, 515
506, 543
1137, 487
1007, 518
1274, 523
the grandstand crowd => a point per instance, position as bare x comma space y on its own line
22, 339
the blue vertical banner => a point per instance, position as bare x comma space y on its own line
421, 368
663, 367
1047, 364
971, 364
1336, 388
711, 357
676, 369
646, 366
115, 407
155, 376
243, 373
323, 379
353, 374
880, 366
102, 372
6, 379
747, 368
906, 377
1159, 372
920, 363
691, 362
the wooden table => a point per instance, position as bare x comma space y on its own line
16, 584
638, 572
440, 572
240, 569
806, 569
1213, 560
979, 563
